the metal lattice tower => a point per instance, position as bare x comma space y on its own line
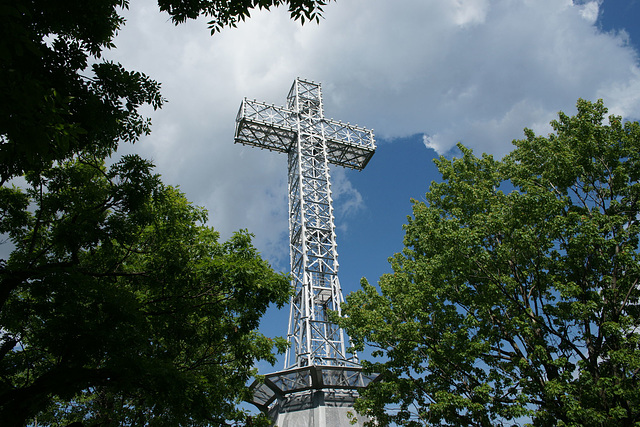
317, 357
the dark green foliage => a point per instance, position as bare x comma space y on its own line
229, 13
516, 306
59, 98
53, 104
117, 305
117, 299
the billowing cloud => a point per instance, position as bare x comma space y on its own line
590, 10
475, 71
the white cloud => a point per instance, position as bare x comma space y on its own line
348, 201
590, 10
458, 70
468, 12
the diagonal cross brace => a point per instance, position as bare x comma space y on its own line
311, 143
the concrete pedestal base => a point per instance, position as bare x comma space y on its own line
317, 408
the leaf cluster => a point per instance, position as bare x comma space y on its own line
228, 13
119, 303
517, 294
60, 97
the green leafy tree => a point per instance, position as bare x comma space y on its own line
121, 305
54, 103
516, 297
117, 305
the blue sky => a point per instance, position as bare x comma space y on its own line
424, 74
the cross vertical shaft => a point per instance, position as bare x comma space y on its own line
314, 258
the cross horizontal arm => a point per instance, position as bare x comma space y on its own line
275, 128
266, 126
347, 145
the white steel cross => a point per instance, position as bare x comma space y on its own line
311, 143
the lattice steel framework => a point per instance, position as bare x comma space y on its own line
311, 143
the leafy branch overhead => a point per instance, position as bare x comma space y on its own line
117, 304
517, 294
229, 13
115, 285
55, 104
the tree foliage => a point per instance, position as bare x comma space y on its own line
516, 298
117, 305
54, 104
59, 97
122, 305
229, 13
